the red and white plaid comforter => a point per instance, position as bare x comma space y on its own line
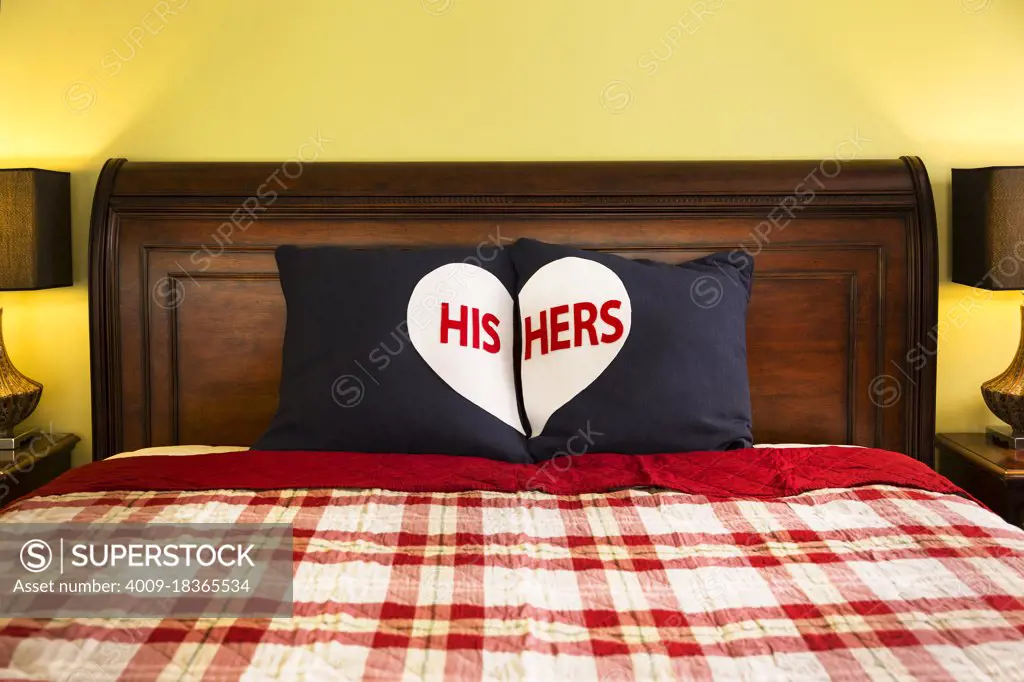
871, 582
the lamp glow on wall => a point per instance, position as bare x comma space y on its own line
988, 253
35, 253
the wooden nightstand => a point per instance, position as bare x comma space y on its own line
33, 465
991, 473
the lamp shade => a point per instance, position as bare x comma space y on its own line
988, 227
35, 229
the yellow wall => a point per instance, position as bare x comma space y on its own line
533, 79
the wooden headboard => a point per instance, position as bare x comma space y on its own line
187, 315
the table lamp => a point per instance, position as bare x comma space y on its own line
35, 253
988, 253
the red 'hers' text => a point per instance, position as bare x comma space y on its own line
471, 326
570, 326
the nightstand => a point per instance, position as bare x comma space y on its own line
34, 464
991, 473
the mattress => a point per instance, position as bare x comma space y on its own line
212, 449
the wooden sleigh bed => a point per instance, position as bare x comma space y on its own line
806, 562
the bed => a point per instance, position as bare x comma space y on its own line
769, 563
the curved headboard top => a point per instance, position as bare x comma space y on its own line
187, 315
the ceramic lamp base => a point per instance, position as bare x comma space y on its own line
19, 395
1004, 394
1005, 437
18, 438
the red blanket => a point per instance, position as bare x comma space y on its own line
755, 473
475, 581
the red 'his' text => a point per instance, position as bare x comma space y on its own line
471, 326
565, 326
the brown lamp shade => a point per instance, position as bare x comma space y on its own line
988, 227
35, 229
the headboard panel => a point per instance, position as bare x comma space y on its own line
187, 314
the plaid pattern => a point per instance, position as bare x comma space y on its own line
871, 583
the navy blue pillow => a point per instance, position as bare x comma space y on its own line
398, 351
632, 356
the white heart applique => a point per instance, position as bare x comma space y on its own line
576, 316
461, 323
